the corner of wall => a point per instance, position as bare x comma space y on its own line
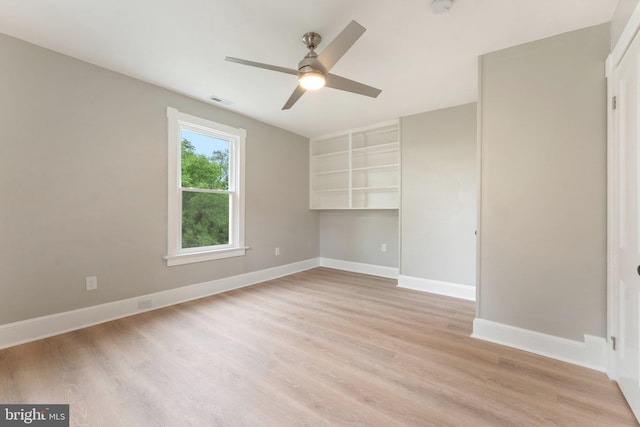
592, 353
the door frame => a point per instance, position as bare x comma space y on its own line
628, 35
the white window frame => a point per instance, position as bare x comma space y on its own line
176, 255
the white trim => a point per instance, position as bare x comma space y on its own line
41, 327
612, 218
627, 37
400, 161
358, 267
479, 121
592, 353
176, 255
628, 34
449, 289
173, 174
188, 258
616, 322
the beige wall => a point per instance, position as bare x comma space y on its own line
439, 195
357, 236
543, 210
83, 187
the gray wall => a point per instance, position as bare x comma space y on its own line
83, 187
621, 16
543, 210
439, 195
357, 236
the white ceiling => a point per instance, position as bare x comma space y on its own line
421, 61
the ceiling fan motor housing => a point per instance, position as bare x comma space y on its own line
311, 40
310, 63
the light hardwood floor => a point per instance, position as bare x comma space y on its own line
320, 347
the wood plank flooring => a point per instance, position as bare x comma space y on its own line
321, 347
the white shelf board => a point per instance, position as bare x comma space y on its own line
366, 168
329, 154
380, 188
337, 171
378, 148
331, 190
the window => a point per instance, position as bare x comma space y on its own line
206, 190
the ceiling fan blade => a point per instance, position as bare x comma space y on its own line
261, 65
297, 93
337, 82
340, 45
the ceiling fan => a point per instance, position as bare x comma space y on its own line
313, 70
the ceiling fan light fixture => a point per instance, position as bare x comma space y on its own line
313, 70
312, 80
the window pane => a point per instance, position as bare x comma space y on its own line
205, 219
205, 161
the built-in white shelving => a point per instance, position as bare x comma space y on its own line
357, 169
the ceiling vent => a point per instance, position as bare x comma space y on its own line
220, 100
441, 6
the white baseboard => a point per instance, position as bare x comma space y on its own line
592, 353
437, 287
358, 267
41, 327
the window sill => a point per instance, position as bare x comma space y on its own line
188, 258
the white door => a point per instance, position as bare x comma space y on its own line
626, 241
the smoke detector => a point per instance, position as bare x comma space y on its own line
441, 6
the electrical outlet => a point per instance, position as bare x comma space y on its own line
383, 247
92, 283
277, 251
145, 303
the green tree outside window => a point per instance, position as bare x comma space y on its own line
205, 216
